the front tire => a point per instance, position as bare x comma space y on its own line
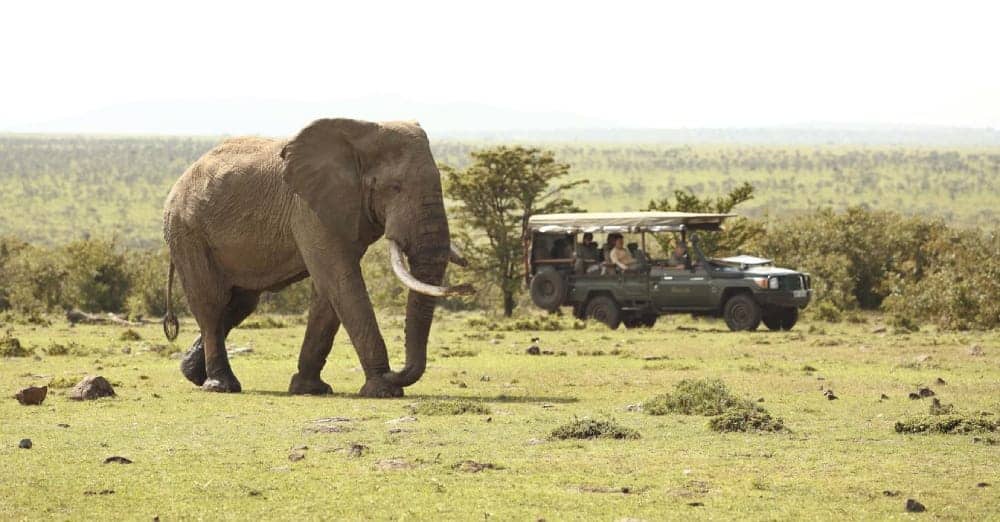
604, 309
782, 318
742, 313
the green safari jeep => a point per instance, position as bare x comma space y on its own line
744, 290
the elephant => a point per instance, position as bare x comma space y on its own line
257, 214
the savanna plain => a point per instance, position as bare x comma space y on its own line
479, 436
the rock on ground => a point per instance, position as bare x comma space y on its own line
90, 388
32, 395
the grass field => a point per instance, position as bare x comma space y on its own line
202, 456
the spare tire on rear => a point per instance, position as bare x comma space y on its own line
548, 290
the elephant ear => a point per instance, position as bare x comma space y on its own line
323, 165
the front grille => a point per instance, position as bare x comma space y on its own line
790, 282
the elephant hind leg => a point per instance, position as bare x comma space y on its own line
241, 305
320, 331
208, 298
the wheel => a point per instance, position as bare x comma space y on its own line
781, 318
548, 290
604, 309
632, 321
639, 321
742, 313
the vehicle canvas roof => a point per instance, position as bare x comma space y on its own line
648, 221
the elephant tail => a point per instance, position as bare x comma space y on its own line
171, 327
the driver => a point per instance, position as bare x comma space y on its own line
679, 258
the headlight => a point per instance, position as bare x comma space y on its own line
772, 283
760, 281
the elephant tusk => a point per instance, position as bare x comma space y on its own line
411, 282
456, 257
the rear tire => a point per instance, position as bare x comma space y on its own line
639, 321
781, 318
604, 309
548, 290
742, 313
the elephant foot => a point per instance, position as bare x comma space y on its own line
193, 364
379, 389
308, 386
223, 384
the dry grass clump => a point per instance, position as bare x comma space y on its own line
451, 407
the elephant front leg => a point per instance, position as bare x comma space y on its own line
320, 331
352, 305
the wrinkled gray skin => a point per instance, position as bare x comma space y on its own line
257, 214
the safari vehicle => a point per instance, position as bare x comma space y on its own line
744, 290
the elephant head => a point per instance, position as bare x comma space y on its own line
367, 179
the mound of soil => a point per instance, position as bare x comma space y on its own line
454, 407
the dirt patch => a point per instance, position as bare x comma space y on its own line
746, 419
471, 466
445, 353
329, 425
695, 397
392, 465
623, 490
949, 424
451, 407
594, 429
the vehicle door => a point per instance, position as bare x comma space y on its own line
681, 289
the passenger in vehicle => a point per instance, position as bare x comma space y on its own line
587, 248
561, 249
620, 256
679, 258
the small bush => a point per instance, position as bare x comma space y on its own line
694, 397
950, 424
446, 352
750, 418
70, 348
10, 346
64, 381
594, 429
130, 335
826, 311
903, 323
453, 407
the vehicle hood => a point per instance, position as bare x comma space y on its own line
768, 271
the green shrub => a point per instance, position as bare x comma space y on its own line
950, 424
148, 289
10, 346
594, 429
750, 418
827, 311
695, 397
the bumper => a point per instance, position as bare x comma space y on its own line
785, 298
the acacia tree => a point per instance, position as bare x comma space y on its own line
738, 231
496, 195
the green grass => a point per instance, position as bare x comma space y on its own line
202, 456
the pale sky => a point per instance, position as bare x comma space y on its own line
626, 64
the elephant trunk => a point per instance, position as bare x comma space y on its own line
428, 256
